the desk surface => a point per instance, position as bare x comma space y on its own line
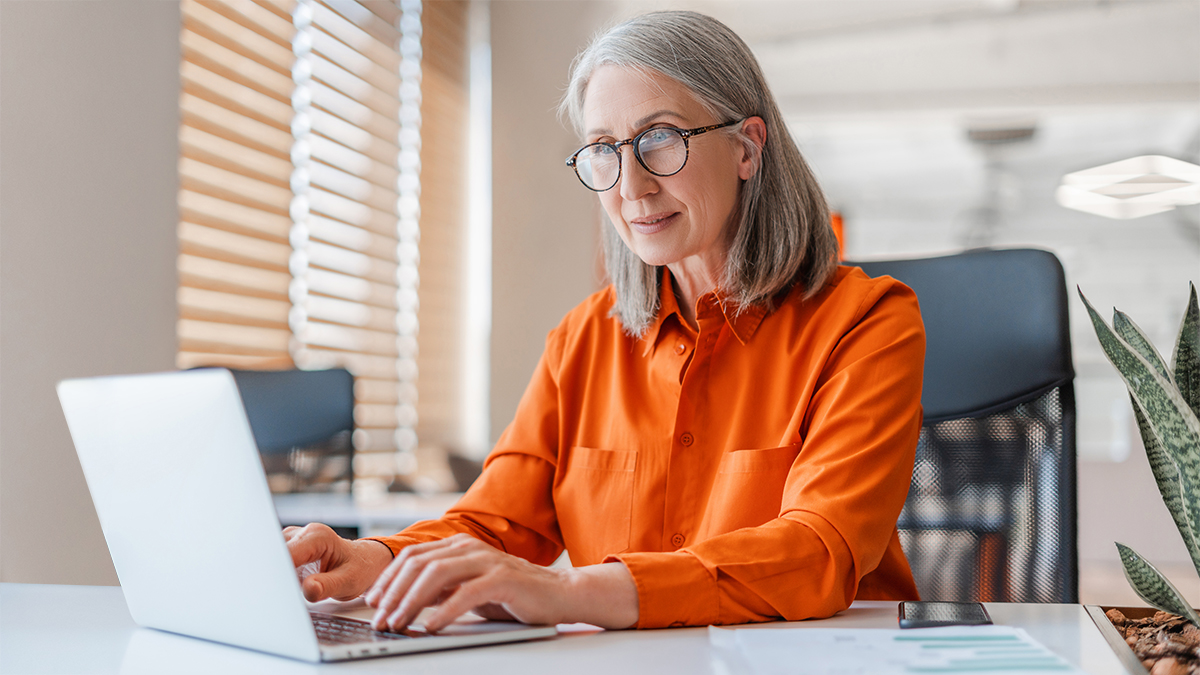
87, 629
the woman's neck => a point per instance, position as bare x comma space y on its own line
693, 278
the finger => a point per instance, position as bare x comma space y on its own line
468, 596
311, 543
406, 557
337, 584
434, 580
387, 598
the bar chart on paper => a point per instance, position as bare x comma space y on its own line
873, 651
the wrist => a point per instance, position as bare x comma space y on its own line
604, 595
375, 553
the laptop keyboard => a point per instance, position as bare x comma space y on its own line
338, 630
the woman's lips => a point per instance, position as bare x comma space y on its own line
653, 223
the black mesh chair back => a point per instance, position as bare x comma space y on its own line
991, 513
303, 423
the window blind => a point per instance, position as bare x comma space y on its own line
300, 200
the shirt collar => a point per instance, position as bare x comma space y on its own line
743, 324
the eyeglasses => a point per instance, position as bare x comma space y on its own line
660, 150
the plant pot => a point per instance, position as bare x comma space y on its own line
1115, 639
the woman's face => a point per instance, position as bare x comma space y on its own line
686, 217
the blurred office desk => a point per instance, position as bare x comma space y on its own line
87, 629
387, 514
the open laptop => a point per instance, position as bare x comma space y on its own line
179, 488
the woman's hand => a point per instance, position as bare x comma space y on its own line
347, 567
461, 573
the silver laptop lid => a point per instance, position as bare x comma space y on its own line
179, 489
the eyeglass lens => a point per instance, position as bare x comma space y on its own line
662, 151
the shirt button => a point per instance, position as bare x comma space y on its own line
677, 624
680, 348
677, 540
686, 438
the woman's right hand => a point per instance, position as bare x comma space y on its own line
348, 567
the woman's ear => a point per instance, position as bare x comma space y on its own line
755, 129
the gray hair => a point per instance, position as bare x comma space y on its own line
783, 234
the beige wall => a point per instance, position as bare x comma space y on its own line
545, 224
88, 126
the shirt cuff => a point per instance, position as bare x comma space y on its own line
674, 589
394, 543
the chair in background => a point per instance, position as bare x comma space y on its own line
303, 423
991, 514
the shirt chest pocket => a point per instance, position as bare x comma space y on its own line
747, 490
594, 500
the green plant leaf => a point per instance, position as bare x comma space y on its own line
1133, 335
1185, 361
1166, 474
1152, 586
1174, 424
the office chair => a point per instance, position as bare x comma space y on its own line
991, 512
303, 422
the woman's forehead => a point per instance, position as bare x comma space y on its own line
619, 99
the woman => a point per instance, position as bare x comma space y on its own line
726, 434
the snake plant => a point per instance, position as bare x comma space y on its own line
1166, 402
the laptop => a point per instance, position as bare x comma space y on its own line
179, 488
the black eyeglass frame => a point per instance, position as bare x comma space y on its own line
637, 153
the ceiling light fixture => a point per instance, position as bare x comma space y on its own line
1131, 188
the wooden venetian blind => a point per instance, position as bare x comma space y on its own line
235, 170
300, 198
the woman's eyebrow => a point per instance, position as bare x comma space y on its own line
639, 124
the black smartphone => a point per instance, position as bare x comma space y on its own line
930, 614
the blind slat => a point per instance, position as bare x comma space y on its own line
365, 20
223, 245
351, 212
356, 138
379, 122
351, 262
256, 18
236, 37
354, 238
376, 391
338, 52
244, 100
217, 182
216, 212
196, 358
358, 39
334, 310
226, 276
235, 67
250, 337
234, 157
352, 288
353, 162
358, 340
201, 303
353, 187
224, 123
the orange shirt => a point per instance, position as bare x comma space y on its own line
749, 471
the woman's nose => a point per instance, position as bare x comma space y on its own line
636, 181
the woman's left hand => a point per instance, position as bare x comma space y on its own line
461, 573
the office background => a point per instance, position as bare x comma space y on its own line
881, 96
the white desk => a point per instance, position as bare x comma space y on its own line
87, 629
386, 515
